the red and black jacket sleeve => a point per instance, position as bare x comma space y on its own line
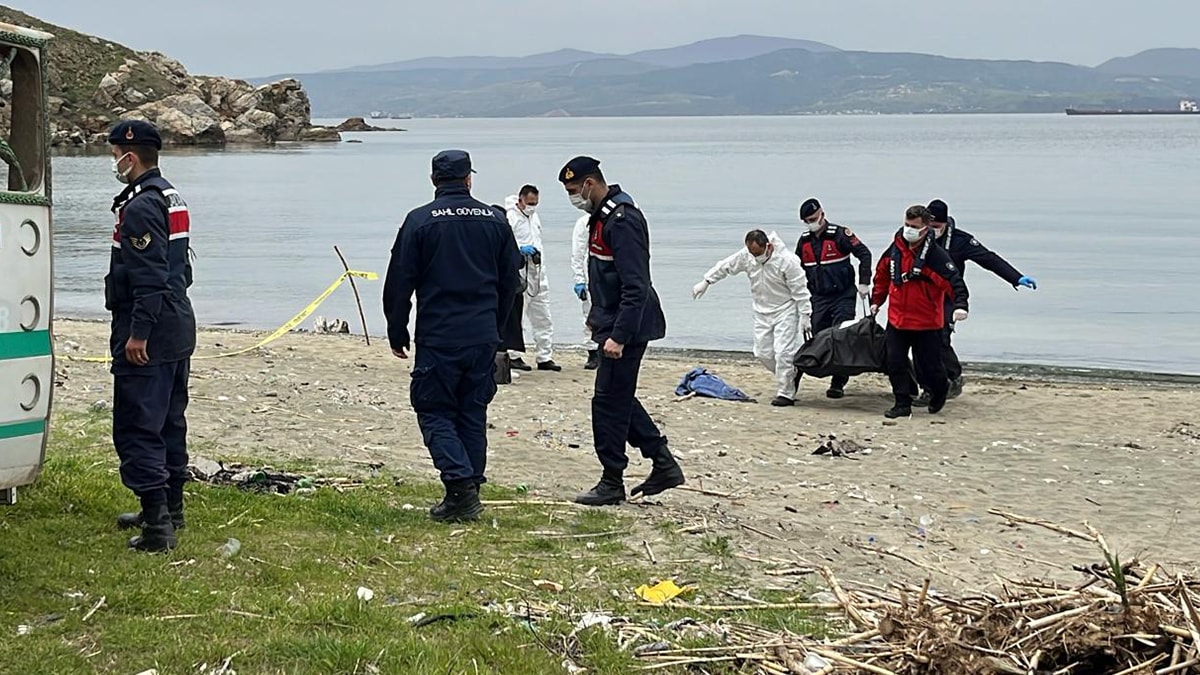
849, 243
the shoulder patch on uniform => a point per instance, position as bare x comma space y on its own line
974, 241
950, 266
849, 232
140, 243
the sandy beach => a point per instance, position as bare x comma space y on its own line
913, 502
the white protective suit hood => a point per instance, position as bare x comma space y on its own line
527, 230
777, 286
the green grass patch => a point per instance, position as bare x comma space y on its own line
288, 603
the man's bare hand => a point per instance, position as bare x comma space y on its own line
135, 352
613, 350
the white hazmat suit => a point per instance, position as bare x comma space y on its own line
782, 307
527, 229
579, 269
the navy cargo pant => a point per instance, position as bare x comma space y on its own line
450, 392
150, 427
830, 311
618, 417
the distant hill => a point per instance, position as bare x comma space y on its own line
1161, 62
724, 49
790, 81
704, 51
561, 57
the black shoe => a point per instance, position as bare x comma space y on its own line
783, 402
518, 364
461, 504
956, 387
898, 411
923, 399
664, 475
936, 403
608, 492
158, 533
129, 521
593, 361
550, 365
835, 392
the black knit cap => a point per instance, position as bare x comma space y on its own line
939, 211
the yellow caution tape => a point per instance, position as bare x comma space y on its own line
661, 592
279, 332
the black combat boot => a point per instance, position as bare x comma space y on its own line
664, 475
460, 504
128, 521
158, 532
956, 387
593, 360
608, 492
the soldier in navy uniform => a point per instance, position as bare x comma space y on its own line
153, 335
963, 246
459, 257
825, 249
625, 317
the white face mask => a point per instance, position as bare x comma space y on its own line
579, 202
762, 259
815, 227
913, 234
530, 209
121, 176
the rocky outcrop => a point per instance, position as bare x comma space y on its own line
183, 119
357, 124
290, 105
191, 110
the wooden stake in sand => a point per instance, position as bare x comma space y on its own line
357, 299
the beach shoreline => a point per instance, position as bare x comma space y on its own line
912, 499
1038, 371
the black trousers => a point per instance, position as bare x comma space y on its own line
926, 347
150, 427
949, 357
830, 311
513, 337
618, 417
450, 392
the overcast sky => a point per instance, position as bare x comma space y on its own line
247, 38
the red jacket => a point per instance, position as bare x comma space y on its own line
917, 302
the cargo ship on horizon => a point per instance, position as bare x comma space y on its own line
1186, 107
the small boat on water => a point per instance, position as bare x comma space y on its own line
1186, 107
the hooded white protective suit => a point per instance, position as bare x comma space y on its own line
779, 288
527, 229
579, 263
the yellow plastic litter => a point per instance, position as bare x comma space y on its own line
661, 592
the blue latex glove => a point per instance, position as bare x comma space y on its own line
527, 250
1027, 282
581, 291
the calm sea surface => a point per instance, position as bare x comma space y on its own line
1103, 212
